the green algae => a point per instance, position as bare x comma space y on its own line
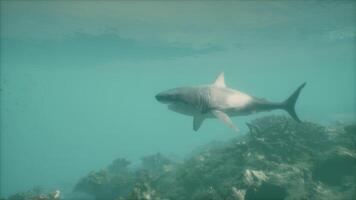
278, 158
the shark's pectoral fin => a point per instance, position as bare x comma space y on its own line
197, 121
225, 118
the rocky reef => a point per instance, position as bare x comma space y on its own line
118, 181
277, 159
36, 194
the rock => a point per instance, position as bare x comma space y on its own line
238, 194
254, 177
277, 159
266, 191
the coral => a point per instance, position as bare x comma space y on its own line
278, 158
143, 191
36, 194
156, 164
120, 165
105, 185
118, 181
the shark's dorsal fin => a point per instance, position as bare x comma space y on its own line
220, 80
225, 118
197, 121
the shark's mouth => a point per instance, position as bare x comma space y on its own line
182, 108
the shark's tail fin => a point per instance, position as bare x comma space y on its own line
289, 104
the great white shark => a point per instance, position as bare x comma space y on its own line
219, 101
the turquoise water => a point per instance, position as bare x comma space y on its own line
78, 79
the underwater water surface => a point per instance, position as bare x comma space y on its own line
79, 115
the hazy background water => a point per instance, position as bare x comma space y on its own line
78, 79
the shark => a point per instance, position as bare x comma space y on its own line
219, 101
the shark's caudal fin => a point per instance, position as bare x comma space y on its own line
289, 104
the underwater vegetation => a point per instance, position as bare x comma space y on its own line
36, 194
277, 159
118, 181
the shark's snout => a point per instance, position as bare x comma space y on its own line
161, 97
165, 97
158, 97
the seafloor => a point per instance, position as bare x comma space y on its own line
277, 159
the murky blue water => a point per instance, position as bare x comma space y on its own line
78, 79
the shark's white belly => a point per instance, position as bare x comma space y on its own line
230, 101
227, 100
